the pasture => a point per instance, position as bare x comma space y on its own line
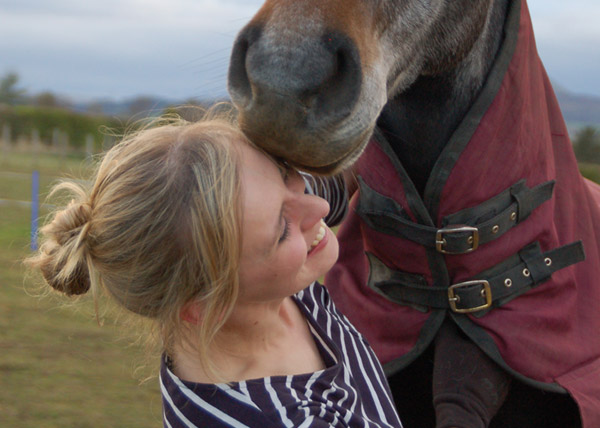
58, 367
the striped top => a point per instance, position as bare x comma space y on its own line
351, 391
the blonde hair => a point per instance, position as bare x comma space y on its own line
159, 227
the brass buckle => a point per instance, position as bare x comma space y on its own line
473, 240
486, 292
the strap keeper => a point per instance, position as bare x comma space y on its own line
535, 263
525, 202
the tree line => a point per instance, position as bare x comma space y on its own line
587, 145
46, 115
46, 112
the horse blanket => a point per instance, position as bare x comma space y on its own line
505, 238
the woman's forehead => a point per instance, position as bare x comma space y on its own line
256, 160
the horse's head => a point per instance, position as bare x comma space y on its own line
310, 77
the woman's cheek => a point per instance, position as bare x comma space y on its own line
297, 255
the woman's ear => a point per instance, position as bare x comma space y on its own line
191, 312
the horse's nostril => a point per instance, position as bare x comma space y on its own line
307, 78
340, 92
239, 86
237, 78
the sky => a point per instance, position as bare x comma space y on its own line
179, 49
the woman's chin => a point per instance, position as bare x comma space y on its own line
326, 256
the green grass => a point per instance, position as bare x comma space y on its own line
591, 171
58, 367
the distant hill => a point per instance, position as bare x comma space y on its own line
125, 107
578, 110
141, 106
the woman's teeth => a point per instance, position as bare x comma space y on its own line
319, 236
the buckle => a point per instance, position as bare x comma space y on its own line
473, 240
486, 292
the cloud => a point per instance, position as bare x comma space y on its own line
179, 48
119, 23
568, 40
63, 44
565, 22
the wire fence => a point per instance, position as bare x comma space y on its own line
59, 144
27, 170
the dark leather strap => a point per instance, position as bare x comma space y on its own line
461, 232
491, 288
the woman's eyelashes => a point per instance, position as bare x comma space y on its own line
284, 170
286, 174
286, 231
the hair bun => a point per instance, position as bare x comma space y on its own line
75, 283
62, 258
72, 221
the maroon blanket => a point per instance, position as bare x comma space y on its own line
549, 333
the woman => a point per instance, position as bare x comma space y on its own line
193, 227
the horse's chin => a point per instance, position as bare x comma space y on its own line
322, 156
306, 139
326, 170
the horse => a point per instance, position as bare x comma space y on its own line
470, 220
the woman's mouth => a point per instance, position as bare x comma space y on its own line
319, 238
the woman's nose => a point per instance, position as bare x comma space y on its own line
310, 209
313, 209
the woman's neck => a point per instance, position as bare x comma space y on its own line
258, 340
259, 324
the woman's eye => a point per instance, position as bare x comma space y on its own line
286, 231
285, 172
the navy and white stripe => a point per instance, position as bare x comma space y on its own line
351, 392
333, 190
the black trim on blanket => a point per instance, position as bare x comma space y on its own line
459, 140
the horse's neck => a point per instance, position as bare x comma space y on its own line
419, 121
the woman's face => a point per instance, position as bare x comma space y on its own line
285, 244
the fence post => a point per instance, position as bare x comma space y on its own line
55, 139
35, 208
107, 143
6, 137
56, 143
35, 142
89, 146
64, 143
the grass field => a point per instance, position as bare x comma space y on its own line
58, 367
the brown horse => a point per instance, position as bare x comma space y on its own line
311, 77
457, 109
